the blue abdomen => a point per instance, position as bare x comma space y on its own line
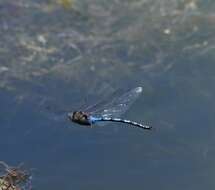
93, 119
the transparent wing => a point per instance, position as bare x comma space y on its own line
99, 106
118, 105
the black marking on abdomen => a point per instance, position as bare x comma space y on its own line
126, 121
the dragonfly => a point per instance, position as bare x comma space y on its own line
111, 111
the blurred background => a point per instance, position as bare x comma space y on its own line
63, 54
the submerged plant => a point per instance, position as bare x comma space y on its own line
67, 4
14, 178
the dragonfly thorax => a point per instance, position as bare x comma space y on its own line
79, 117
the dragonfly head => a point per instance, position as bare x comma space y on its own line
79, 117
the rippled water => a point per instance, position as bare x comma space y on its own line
65, 57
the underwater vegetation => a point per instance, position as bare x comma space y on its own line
14, 178
66, 3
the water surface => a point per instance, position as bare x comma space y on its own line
67, 57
